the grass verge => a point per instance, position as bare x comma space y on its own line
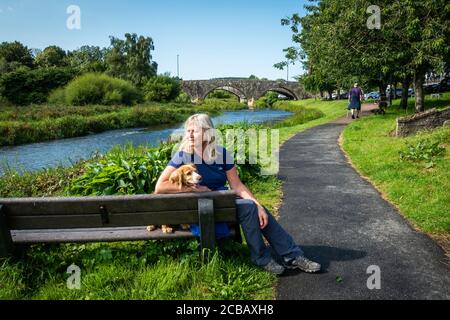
410, 172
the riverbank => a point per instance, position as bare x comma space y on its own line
37, 123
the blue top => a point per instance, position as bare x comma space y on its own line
213, 176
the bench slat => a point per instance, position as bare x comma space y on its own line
114, 204
96, 235
125, 219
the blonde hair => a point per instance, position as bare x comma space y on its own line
203, 121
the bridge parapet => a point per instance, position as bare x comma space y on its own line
246, 89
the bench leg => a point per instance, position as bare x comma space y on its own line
238, 235
6, 243
207, 226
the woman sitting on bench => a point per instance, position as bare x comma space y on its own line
216, 166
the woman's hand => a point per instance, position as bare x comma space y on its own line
198, 188
263, 217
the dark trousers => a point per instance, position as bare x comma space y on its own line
280, 241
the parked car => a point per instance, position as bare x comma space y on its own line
444, 85
375, 95
431, 88
411, 92
344, 95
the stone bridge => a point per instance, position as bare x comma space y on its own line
247, 90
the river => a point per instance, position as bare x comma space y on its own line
65, 152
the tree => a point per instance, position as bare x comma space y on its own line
88, 59
14, 55
26, 86
52, 56
131, 59
162, 88
335, 42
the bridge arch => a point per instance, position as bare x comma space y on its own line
241, 96
286, 92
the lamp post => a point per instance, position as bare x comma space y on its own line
287, 77
178, 66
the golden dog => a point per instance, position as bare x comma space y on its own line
184, 176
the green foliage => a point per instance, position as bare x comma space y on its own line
24, 87
267, 100
52, 56
123, 171
131, 59
135, 270
95, 88
57, 96
88, 59
232, 133
337, 48
14, 55
220, 94
423, 150
183, 97
162, 89
208, 105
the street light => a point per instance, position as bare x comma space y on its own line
178, 66
287, 77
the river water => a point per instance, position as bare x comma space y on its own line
65, 152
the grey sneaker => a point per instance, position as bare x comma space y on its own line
303, 264
274, 267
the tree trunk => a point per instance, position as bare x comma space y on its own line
418, 88
405, 86
338, 94
330, 94
382, 88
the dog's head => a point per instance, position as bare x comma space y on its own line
185, 176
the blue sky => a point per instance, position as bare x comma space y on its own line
213, 38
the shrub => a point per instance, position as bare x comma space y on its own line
57, 96
24, 87
220, 94
183, 97
267, 100
162, 89
123, 171
96, 88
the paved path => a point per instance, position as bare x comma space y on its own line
342, 222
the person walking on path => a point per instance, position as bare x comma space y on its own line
355, 96
216, 166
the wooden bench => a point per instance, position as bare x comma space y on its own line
435, 95
113, 218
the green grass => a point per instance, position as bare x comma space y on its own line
331, 110
419, 188
138, 270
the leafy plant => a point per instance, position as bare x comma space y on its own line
123, 171
423, 150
